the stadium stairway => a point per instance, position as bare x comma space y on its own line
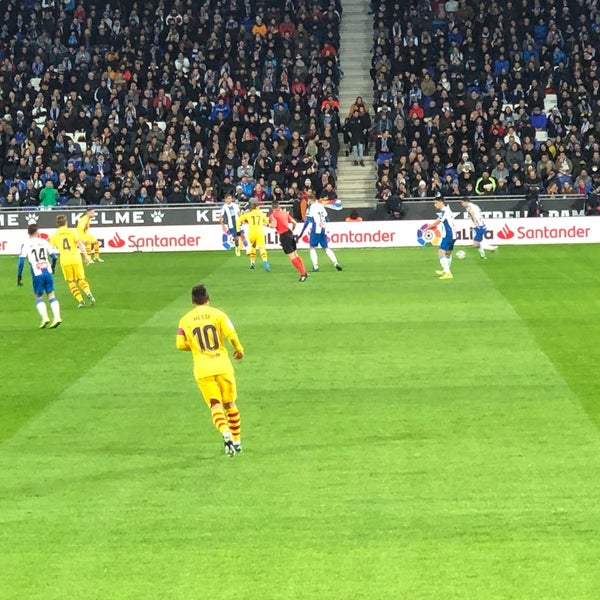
355, 185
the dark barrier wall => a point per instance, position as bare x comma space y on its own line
202, 215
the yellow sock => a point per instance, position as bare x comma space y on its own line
96, 250
218, 417
85, 286
75, 291
235, 426
263, 254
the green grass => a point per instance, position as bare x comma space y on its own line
404, 437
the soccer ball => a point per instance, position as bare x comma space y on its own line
461, 254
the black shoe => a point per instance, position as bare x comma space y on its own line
304, 277
338, 267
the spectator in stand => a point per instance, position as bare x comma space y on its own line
355, 130
490, 88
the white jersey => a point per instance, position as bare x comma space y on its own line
475, 213
317, 215
230, 214
447, 222
37, 251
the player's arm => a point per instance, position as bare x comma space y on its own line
182, 341
222, 220
307, 222
434, 224
472, 215
231, 334
82, 249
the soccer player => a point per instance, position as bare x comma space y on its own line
42, 259
202, 331
281, 220
228, 217
91, 243
479, 226
70, 248
316, 219
255, 219
446, 221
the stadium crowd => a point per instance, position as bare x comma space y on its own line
170, 101
485, 98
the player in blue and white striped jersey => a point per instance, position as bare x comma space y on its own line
42, 259
229, 214
445, 222
479, 227
316, 219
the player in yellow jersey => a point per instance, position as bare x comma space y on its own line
70, 248
256, 219
202, 332
91, 243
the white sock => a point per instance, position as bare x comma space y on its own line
331, 255
445, 264
481, 251
55, 306
314, 258
42, 309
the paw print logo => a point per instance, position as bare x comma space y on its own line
31, 218
157, 216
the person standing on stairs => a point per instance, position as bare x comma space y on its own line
355, 130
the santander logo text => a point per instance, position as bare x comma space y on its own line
116, 242
506, 233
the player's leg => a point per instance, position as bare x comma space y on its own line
211, 392
252, 251
445, 250
229, 395
40, 305
446, 261
82, 282
288, 243
477, 241
235, 425
95, 249
70, 278
43, 310
261, 244
87, 241
314, 258
484, 244
298, 265
53, 300
329, 252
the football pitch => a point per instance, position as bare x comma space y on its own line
404, 437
